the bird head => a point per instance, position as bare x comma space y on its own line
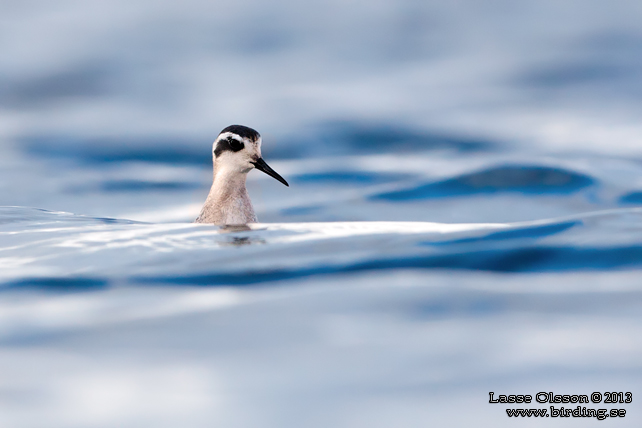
238, 148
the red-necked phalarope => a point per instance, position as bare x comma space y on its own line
236, 151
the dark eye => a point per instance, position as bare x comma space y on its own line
235, 144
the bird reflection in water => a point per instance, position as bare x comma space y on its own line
238, 241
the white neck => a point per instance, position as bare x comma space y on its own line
228, 201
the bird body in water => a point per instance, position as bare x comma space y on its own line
236, 151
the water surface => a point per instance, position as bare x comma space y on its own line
462, 218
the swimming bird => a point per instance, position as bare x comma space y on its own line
235, 152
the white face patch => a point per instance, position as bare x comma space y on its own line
230, 150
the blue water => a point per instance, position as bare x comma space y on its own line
463, 213
342, 312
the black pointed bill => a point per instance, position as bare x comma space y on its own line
262, 166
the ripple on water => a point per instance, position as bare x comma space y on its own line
58, 284
132, 186
517, 260
96, 255
349, 177
529, 232
525, 179
633, 198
